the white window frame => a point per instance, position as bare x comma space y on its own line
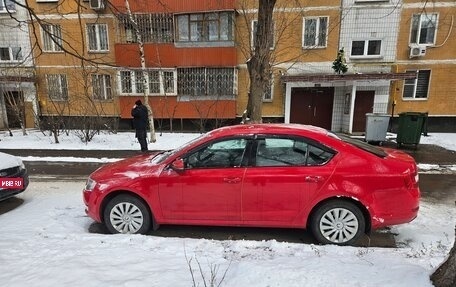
418, 29
54, 35
365, 54
97, 37
253, 32
317, 33
185, 31
134, 82
61, 87
7, 6
105, 82
11, 55
415, 85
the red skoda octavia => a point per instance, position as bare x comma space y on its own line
265, 175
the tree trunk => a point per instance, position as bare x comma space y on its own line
144, 71
445, 275
259, 65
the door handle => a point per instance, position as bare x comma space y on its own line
232, 179
311, 178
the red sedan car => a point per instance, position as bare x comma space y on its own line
265, 175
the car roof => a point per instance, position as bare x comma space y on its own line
245, 129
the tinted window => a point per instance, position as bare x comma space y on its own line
227, 153
289, 152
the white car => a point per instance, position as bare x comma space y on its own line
13, 176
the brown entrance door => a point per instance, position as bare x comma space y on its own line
364, 103
312, 106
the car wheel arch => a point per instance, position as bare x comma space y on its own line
360, 205
114, 194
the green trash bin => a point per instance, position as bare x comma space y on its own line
410, 128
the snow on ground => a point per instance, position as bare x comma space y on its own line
45, 241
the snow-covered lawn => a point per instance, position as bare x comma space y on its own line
44, 241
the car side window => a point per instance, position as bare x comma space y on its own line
226, 153
280, 152
318, 156
289, 152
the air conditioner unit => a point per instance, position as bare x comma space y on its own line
97, 4
417, 51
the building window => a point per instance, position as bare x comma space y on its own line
153, 28
57, 87
254, 32
205, 27
101, 85
268, 94
315, 31
213, 82
424, 28
160, 82
7, 6
417, 88
52, 38
10, 54
97, 37
366, 48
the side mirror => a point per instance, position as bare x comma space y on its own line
178, 165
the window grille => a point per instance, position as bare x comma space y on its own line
161, 81
153, 28
101, 85
52, 38
417, 88
57, 87
97, 37
206, 82
315, 32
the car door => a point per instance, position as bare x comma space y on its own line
209, 188
282, 179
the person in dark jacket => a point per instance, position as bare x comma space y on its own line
140, 122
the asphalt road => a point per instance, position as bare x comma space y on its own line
439, 188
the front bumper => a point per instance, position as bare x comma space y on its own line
8, 192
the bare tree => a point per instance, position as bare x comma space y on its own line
259, 65
145, 76
445, 275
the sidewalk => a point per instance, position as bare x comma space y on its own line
424, 154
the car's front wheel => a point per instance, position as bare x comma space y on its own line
127, 214
338, 222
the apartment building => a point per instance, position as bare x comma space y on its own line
17, 76
73, 48
190, 58
427, 46
399, 56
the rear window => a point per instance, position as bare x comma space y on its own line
363, 145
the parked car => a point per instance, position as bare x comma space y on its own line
13, 176
265, 175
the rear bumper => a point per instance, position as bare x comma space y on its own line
404, 209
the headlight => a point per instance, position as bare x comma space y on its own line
90, 184
22, 165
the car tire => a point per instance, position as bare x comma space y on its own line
127, 214
338, 222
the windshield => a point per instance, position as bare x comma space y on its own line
361, 144
159, 158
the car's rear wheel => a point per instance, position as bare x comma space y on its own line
127, 214
338, 222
